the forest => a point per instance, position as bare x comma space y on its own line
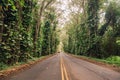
27, 30
34, 28
93, 29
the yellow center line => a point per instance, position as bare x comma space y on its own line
64, 74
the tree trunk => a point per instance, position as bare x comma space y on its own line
1, 25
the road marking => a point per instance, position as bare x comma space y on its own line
64, 74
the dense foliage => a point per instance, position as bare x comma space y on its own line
92, 33
25, 32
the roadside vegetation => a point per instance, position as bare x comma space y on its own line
112, 60
4, 66
28, 29
94, 30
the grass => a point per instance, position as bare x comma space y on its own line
113, 60
5, 66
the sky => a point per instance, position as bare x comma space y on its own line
65, 11
63, 7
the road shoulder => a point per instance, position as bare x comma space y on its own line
15, 70
106, 65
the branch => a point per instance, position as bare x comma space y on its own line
102, 30
48, 4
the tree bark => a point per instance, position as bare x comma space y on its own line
1, 24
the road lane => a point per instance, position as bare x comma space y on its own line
65, 67
83, 70
45, 70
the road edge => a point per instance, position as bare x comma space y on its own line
15, 70
106, 65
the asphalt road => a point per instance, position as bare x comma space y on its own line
65, 67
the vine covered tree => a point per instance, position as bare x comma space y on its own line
23, 29
90, 34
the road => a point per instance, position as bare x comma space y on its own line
65, 67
